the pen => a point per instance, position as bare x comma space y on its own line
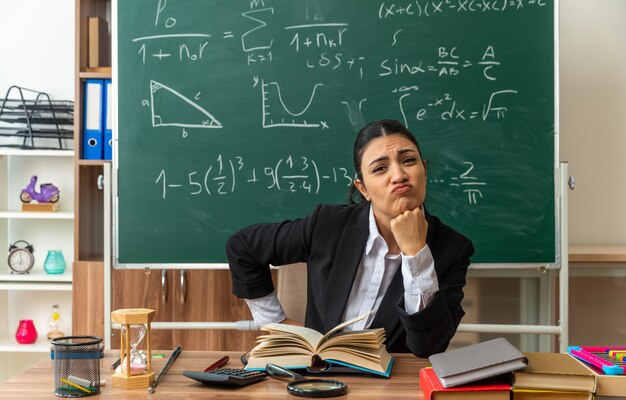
116, 364
167, 366
217, 364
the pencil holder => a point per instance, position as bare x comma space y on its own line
76, 361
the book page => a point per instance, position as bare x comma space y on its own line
373, 338
343, 325
281, 344
287, 361
373, 360
348, 322
278, 351
311, 336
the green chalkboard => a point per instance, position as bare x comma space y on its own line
231, 113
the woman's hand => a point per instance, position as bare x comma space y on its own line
409, 229
289, 322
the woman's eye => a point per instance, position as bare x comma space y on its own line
409, 160
378, 168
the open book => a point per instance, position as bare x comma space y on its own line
299, 347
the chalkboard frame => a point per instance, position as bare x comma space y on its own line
115, 223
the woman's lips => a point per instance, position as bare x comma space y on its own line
401, 189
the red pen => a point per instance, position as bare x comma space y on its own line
217, 364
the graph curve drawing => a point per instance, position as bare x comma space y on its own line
280, 105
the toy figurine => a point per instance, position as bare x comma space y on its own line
48, 193
55, 324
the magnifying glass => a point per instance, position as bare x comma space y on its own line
303, 387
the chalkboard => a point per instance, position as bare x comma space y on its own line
231, 113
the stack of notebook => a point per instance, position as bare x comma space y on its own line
553, 376
462, 374
476, 371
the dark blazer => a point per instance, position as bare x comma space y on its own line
331, 240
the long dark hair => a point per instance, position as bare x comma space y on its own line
371, 131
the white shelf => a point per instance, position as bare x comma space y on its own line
14, 214
36, 280
36, 286
9, 344
35, 275
31, 295
7, 151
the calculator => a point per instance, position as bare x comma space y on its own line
227, 376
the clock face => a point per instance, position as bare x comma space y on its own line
20, 260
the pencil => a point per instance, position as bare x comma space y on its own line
75, 385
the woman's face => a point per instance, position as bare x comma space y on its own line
394, 176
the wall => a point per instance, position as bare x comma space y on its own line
37, 46
593, 118
593, 140
36, 52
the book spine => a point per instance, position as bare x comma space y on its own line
425, 384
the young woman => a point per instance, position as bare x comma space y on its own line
384, 254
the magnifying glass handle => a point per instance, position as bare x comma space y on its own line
275, 370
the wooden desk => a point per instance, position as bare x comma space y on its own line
599, 254
38, 381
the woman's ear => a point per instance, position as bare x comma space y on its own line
361, 187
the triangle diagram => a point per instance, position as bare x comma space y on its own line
170, 108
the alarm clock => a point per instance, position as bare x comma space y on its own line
21, 258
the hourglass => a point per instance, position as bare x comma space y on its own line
136, 334
135, 372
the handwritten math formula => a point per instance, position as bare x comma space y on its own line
421, 8
325, 43
290, 174
224, 175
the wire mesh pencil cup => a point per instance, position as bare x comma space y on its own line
76, 361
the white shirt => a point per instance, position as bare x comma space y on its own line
375, 272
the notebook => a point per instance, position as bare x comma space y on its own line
477, 361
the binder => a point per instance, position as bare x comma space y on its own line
99, 43
107, 120
93, 134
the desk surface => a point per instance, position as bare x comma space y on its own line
38, 382
609, 254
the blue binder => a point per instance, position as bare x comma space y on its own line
93, 133
107, 120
